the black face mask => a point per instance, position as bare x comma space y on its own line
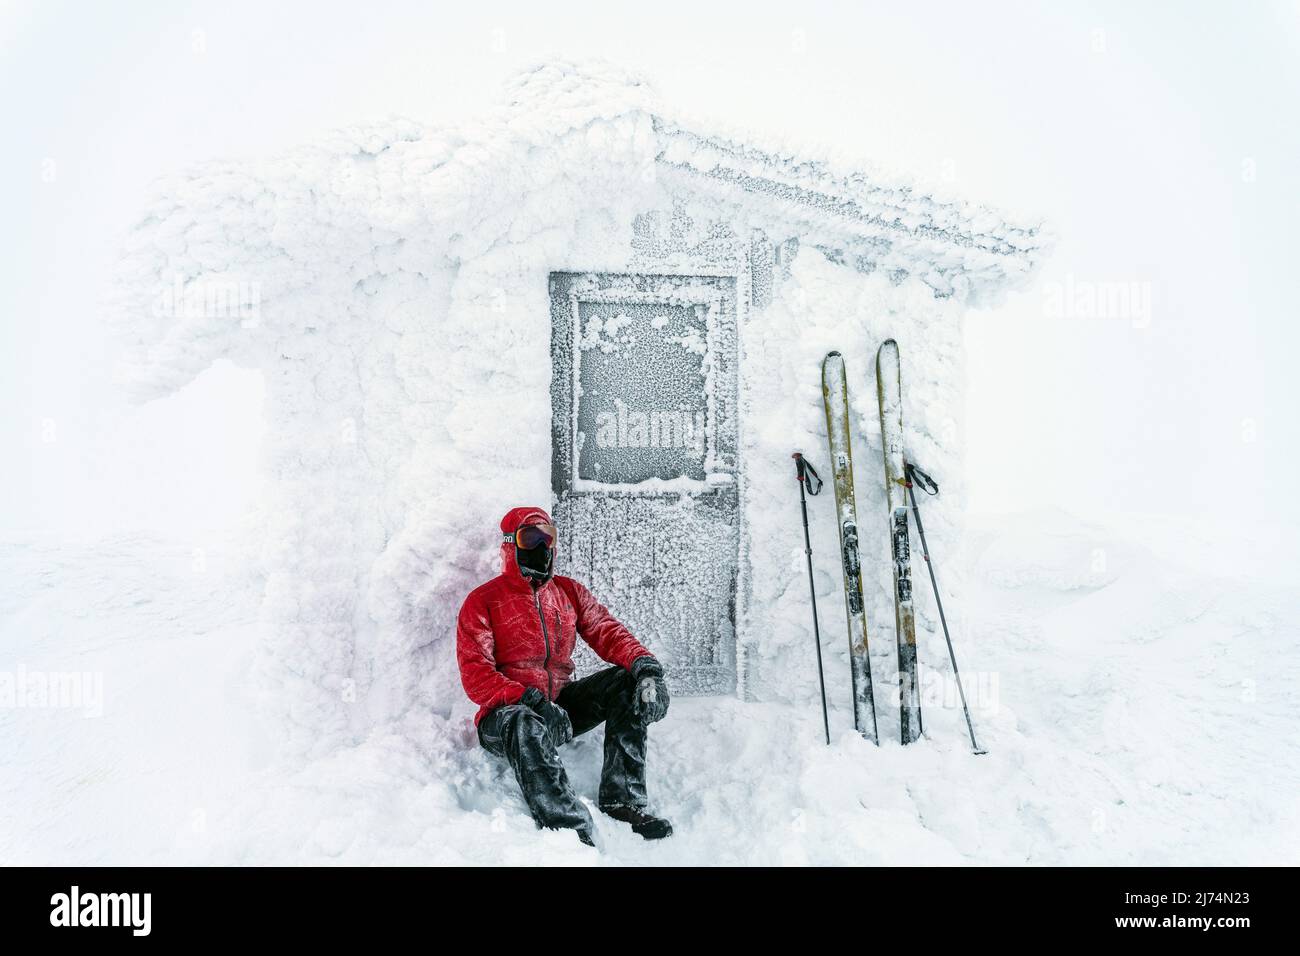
535, 563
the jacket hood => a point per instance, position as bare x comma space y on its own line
515, 519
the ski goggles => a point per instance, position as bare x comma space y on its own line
532, 536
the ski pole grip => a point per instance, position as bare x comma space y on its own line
921, 479
805, 470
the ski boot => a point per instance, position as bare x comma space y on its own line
643, 824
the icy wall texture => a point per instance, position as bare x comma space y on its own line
391, 284
823, 307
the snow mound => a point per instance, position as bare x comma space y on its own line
1148, 721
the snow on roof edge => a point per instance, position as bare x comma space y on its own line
865, 221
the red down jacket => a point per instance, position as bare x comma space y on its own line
501, 644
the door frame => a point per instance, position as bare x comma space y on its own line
636, 283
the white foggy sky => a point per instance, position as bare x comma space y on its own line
1133, 128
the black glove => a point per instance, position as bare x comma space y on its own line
651, 700
557, 720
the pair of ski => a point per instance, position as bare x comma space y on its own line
835, 392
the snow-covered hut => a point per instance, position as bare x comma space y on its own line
583, 302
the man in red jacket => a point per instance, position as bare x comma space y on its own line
514, 643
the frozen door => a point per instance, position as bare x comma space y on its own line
644, 467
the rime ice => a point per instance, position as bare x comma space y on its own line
407, 330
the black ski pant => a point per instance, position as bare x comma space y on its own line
517, 733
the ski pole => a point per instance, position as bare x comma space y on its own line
806, 473
917, 476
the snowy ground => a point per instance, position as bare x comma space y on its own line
1139, 701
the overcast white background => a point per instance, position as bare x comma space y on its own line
1159, 139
